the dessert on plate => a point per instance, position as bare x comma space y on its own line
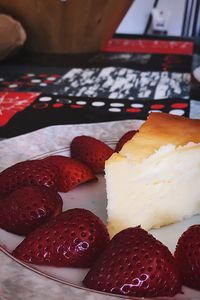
154, 180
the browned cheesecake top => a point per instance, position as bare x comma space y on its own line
161, 129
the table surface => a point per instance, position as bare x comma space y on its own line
16, 281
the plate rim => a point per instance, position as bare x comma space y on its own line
67, 283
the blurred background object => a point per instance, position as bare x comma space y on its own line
86, 61
72, 26
160, 20
12, 36
184, 17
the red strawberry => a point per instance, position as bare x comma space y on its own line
28, 207
125, 138
71, 172
187, 255
91, 151
135, 264
27, 173
72, 239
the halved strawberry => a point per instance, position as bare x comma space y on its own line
28, 207
187, 254
74, 238
135, 264
91, 151
125, 138
27, 173
71, 172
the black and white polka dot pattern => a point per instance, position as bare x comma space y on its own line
137, 108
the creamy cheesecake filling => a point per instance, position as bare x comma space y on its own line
161, 189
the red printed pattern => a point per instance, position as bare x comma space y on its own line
149, 46
11, 103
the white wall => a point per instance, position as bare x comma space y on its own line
136, 18
176, 8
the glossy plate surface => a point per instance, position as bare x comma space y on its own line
92, 196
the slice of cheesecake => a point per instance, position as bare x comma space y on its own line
155, 179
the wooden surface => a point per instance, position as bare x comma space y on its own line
72, 26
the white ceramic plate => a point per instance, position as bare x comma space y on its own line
92, 196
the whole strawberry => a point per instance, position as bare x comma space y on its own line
135, 264
28, 207
90, 151
125, 138
71, 172
74, 238
28, 173
187, 254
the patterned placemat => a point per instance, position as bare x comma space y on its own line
127, 80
